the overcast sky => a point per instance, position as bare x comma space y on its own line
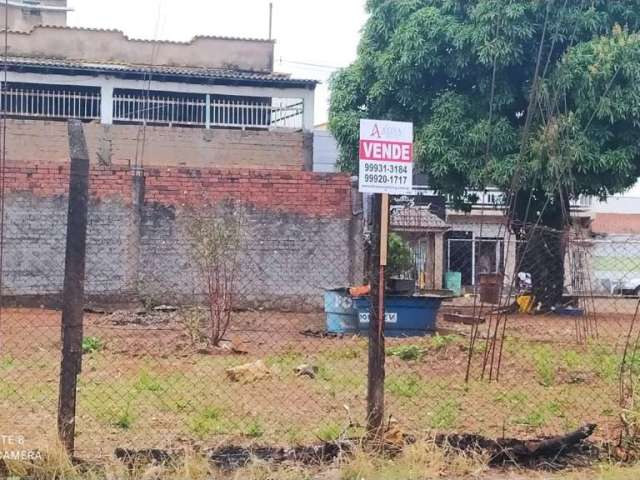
313, 37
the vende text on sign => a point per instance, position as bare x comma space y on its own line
386, 157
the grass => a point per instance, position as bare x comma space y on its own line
6, 362
445, 415
404, 385
148, 382
420, 461
544, 361
207, 421
124, 419
255, 429
439, 342
541, 414
406, 352
125, 397
329, 432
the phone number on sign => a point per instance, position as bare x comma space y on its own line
385, 168
386, 179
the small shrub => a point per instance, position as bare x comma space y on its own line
407, 386
400, 256
217, 241
194, 322
91, 345
406, 352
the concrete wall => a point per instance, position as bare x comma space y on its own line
21, 19
30, 140
111, 46
325, 152
300, 234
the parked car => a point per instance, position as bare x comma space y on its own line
629, 286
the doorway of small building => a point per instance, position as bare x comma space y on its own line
460, 255
473, 256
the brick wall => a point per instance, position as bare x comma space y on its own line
32, 140
300, 239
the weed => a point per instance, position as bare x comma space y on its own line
286, 361
124, 419
294, 435
572, 360
405, 385
440, 342
91, 345
6, 362
255, 429
329, 432
545, 365
346, 353
406, 352
512, 399
541, 414
605, 362
445, 415
207, 421
181, 405
148, 382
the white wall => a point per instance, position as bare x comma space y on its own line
325, 152
617, 204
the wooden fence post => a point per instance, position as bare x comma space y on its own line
376, 371
73, 290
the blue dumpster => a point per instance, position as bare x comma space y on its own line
341, 316
404, 316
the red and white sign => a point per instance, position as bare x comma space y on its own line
386, 157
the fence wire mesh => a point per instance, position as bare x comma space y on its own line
206, 321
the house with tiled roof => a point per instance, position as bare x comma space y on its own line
215, 101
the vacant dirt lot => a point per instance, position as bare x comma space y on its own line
144, 383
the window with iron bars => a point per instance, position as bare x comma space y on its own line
200, 110
38, 101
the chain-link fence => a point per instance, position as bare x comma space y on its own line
217, 310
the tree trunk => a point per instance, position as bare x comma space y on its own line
540, 222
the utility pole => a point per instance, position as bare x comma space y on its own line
270, 20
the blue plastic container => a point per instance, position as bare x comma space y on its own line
341, 315
404, 316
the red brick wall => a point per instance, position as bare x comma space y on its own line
293, 191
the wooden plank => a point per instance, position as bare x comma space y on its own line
384, 230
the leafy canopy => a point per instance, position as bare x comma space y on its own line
463, 72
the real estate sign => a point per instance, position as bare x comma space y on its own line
386, 157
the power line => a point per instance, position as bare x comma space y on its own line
308, 64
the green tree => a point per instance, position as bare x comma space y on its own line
537, 97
